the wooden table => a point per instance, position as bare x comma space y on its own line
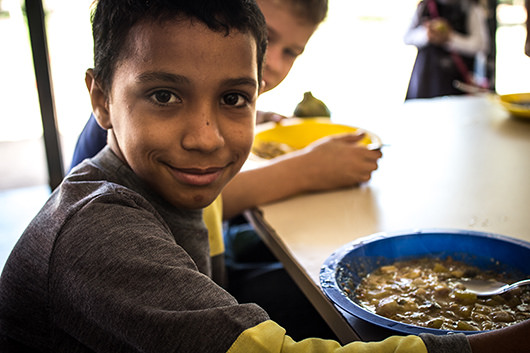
460, 163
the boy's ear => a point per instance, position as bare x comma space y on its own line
262, 87
100, 102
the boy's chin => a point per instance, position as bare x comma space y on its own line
189, 198
196, 202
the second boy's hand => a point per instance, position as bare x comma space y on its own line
263, 117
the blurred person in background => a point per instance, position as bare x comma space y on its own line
451, 35
527, 43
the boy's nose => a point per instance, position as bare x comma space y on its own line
203, 133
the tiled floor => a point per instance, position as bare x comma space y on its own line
17, 208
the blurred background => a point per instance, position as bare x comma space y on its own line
356, 63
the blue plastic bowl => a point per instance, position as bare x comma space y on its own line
349, 264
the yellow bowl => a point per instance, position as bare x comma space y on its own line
518, 104
274, 139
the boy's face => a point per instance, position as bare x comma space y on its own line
182, 107
288, 36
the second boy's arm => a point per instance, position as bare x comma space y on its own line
327, 164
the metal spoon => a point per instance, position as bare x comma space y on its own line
485, 288
471, 89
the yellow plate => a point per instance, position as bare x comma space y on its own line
517, 104
274, 139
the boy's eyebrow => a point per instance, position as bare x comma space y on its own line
242, 81
156, 76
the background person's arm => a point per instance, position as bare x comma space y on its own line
477, 38
416, 33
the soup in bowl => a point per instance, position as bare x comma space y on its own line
410, 282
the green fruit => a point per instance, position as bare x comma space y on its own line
442, 27
311, 107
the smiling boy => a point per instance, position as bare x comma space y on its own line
117, 260
329, 164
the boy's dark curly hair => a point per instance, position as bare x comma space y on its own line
112, 20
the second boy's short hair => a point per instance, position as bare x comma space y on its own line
312, 11
112, 21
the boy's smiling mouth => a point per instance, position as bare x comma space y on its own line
197, 176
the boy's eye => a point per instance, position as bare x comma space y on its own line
234, 99
291, 53
164, 97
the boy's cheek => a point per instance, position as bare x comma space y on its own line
244, 132
250, 138
245, 146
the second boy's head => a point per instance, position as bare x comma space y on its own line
175, 83
290, 24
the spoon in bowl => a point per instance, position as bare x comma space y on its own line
485, 288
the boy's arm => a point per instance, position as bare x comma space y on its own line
268, 337
514, 338
120, 282
329, 163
